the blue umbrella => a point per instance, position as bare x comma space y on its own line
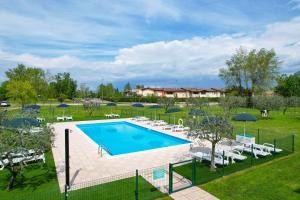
111, 105
34, 106
138, 105
245, 118
155, 107
197, 112
173, 110
21, 123
63, 105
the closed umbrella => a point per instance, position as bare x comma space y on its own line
155, 107
63, 105
111, 105
245, 117
173, 110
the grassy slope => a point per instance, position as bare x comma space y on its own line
261, 182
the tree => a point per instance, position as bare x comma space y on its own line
199, 102
35, 76
3, 90
127, 87
139, 86
251, 72
21, 91
24, 144
211, 128
268, 102
231, 103
64, 86
288, 85
90, 107
166, 103
84, 91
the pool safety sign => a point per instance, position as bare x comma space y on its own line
158, 174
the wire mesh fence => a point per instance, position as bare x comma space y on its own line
231, 160
144, 184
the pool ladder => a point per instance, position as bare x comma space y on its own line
101, 148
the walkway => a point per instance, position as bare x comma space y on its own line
193, 193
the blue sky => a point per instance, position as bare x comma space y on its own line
156, 43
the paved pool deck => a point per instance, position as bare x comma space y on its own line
87, 166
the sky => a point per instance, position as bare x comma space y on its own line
157, 43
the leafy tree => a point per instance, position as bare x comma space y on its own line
211, 128
21, 91
166, 103
108, 91
25, 145
268, 102
251, 72
3, 90
91, 106
288, 85
127, 87
84, 91
199, 102
64, 86
139, 86
35, 76
231, 103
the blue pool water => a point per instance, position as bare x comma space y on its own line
124, 137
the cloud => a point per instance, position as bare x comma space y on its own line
189, 61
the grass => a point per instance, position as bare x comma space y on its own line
276, 179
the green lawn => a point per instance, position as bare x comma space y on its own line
276, 179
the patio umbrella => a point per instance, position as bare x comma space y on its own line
173, 110
34, 106
155, 107
63, 105
21, 123
137, 105
111, 105
197, 112
245, 118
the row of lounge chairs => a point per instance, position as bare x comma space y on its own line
18, 158
161, 123
64, 118
112, 115
236, 153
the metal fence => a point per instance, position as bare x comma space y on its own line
282, 146
146, 184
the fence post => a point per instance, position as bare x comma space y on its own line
194, 172
170, 178
252, 154
66, 192
223, 167
258, 136
136, 185
169, 119
293, 143
274, 147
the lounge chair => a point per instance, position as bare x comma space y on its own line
158, 123
180, 128
257, 151
68, 118
60, 118
233, 155
168, 127
268, 147
219, 160
142, 119
40, 119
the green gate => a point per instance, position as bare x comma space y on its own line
178, 182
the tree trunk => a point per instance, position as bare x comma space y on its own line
12, 180
212, 164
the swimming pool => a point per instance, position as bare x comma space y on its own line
124, 137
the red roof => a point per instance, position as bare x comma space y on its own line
186, 89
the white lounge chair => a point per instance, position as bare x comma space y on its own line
233, 155
68, 118
168, 127
268, 147
40, 119
60, 118
158, 123
219, 160
257, 151
180, 128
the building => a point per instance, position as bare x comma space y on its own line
181, 92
